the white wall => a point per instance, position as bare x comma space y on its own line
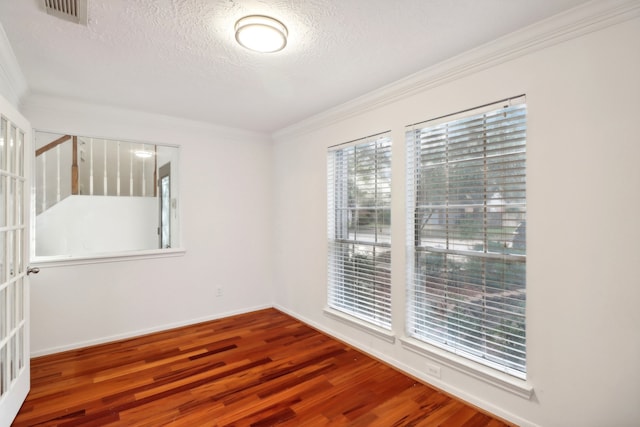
241, 225
583, 341
13, 85
225, 197
81, 225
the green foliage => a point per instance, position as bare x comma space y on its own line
469, 294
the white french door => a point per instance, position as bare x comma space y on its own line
15, 141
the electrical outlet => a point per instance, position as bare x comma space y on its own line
433, 371
218, 291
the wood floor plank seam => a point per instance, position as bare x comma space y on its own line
260, 369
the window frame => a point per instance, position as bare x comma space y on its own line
61, 260
416, 331
358, 263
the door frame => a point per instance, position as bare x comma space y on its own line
164, 172
19, 378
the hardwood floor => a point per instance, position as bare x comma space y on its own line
257, 369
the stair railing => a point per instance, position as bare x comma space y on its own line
74, 187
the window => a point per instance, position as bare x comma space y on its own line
103, 198
467, 234
359, 220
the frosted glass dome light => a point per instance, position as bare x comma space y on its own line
261, 33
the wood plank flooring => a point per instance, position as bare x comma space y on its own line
257, 369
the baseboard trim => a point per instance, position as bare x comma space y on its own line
446, 388
141, 332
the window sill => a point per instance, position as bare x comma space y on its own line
63, 261
483, 373
361, 324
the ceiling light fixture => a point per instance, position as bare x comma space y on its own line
143, 154
261, 33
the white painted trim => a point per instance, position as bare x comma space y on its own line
43, 102
402, 367
374, 330
10, 71
581, 20
501, 380
65, 261
141, 332
459, 393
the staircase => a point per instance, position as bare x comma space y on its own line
73, 165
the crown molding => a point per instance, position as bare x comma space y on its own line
40, 104
13, 84
576, 22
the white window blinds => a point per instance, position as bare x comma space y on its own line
359, 220
467, 232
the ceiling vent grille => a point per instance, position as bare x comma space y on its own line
69, 10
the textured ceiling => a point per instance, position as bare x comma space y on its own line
180, 58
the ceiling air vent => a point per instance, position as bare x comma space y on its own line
69, 10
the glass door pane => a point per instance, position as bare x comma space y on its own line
14, 291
